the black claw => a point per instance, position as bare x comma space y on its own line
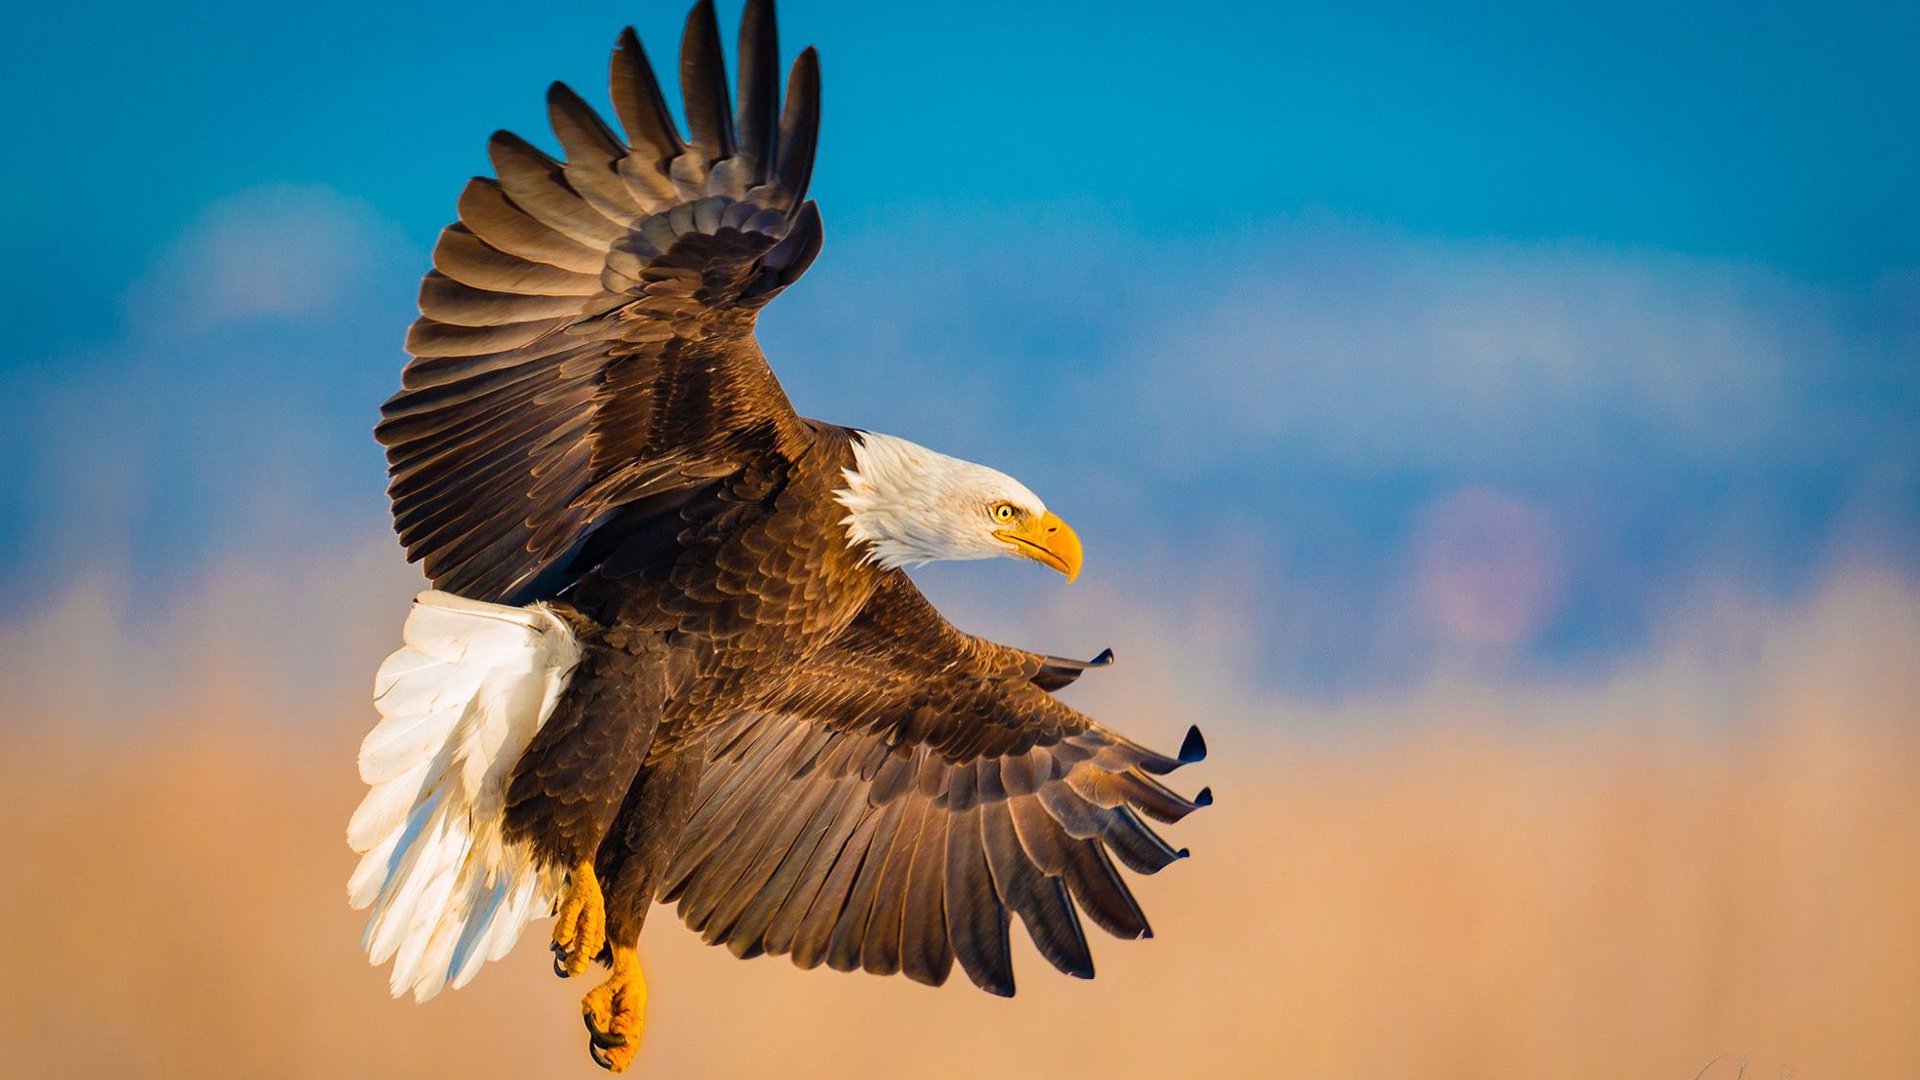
605, 1039
1194, 747
599, 1056
1105, 658
560, 965
1205, 798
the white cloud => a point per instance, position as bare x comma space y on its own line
232, 403
111, 650
279, 251
1381, 350
1719, 657
1487, 568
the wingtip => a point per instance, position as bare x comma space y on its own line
1074, 963
809, 60
699, 13
1194, 747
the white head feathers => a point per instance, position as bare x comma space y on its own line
911, 505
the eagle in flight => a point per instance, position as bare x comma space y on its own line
671, 652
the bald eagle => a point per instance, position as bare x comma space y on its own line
671, 651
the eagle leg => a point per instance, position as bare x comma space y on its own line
615, 1012
580, 929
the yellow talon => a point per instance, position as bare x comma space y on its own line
615, 1012
580, 927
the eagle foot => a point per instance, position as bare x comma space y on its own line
615, 1012
580, 926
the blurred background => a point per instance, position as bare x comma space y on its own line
1498, 428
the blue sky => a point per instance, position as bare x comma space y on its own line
1396, 335
1778, 133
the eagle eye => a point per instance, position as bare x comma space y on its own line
1004, 512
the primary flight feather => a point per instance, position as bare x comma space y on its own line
671, 651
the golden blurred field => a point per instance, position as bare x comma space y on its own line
1712, 854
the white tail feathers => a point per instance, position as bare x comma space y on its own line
458, 706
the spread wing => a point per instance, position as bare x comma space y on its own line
912, 795
585, 338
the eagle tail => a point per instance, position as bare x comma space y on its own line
458, 705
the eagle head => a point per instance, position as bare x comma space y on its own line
909, 505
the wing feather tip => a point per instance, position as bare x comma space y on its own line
1193, 748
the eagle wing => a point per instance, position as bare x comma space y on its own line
915, 790
585, 338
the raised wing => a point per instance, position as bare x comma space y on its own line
585, 338
912, 795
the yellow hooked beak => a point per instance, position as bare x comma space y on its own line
1048, 540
